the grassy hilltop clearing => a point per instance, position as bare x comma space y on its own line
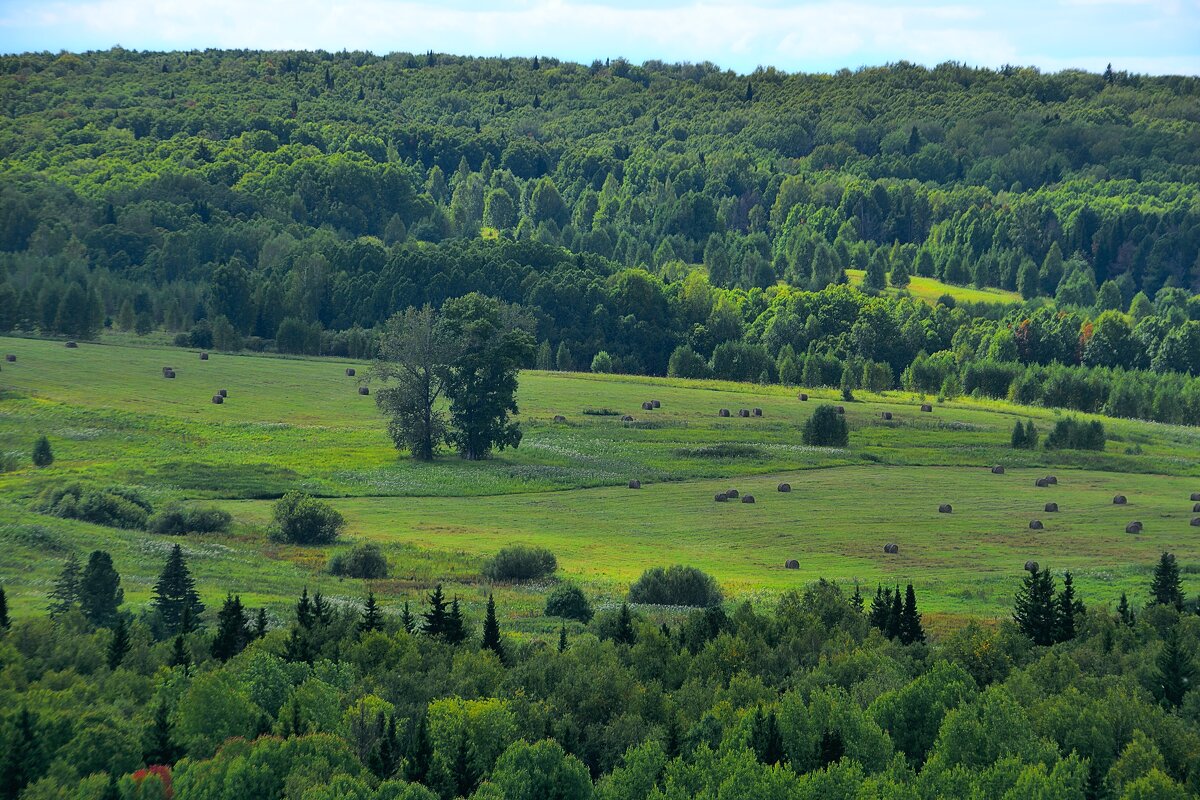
300, 423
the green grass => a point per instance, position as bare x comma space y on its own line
930, 289
300, 423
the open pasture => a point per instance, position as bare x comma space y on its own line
290, 423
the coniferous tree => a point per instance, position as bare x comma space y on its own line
456, 627
180, 655
910, 619
305, 617
22, 763
111, 790
881, 606
562, 639
385, 759
322, 610
1018, 436
407, 620
1031, 436
435, 618
900, 276
419, 755
891, 627
160, 744
372, 617
765, 738
260, 623
43, 455
100, 592
297, 650
233, 629
65, 594
1124, 611
465, 779
1069, 609
118, 645
625, 633
491, 630
1176, 671
176, 592
832, 746
1167, 586
1034, 609
856, 599
5, 623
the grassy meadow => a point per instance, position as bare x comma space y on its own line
930, 289
301, 423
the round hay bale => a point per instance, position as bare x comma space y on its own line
997, 470
169, 373
349, 372
803, 397
1041, 482
747, 498
1196, 522
1119, 500
1051, 480
1133, 527
223, 392
928, 409
1035, 525
720, 497
724, 412
647, 406
627, 418
732, 494
886, 415
840, 409
1196, 508
945, 508
10, 358
656, 404
204, 356
1051, 507
758, 412
72, 345
785, 487
791, 563
217, 399
1195, 496
1031, 566
744, 412
363, 390
891, 548
165, 370
635, 484
559, 418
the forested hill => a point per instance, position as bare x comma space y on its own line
290, 195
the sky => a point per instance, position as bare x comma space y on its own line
1145, 36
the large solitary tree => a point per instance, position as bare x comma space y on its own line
415, 354
100, 592
175, 596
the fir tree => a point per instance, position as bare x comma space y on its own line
65, 594
1124, 611
420, 752
297, 649
1167, 587
321, 609
372, 617
491, 630
100, 591
1176, 672
856, 599
5, 623
765, 738
910, 619
1069, 609
1034, 609
465, 779
435, 617
260, 624
175, 593
562, 639
180, 656
232, 629
406, 620
160, 744
899, 277
111, 790
880, 608
22, 762
832, 746
625, 633
891, 627
43, 455
305, 617
1031, 436
118, 645
1018, 436
456, 627
385, 759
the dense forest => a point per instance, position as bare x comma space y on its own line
666, 218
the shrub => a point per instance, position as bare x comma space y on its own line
568, 601
520, 563
826, 428
301, 519
365, 561
175, 520
602, 362
1071, 434
675, 586
43, 456
686, 363
113, 506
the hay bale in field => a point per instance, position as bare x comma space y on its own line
803, 397
758, 412
559, 418
724, 412
349, 372
72, 345
840, 409
720, 497
218, 399
747, 498
997, 470
1196, 522
1031, 566
1051, 507
732, 494
1133, 527
1196, 508
945, 508
10, 358
744, 412
1035, 525
785, 487
1051, 480
1195, 496
363, 390
1119, 500
928, 409
635, 484
627, 418
891, 548
656, 404
886, 415
223, 392
204, 356
1041, 483
791, 563
170, 373
647, 406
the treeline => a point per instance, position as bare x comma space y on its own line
815, 698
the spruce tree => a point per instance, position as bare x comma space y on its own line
765, 738
910, 619
1034, 609
305, 617
385, 759
562, 639
1069, 609
1124, 611
435, 617
880, 608
180, 656
322, 610
1018, 436
160, 744
1031, 436
1176, 671
100, 591
625, 633
260, 623
456, 627
406, 619
491, 630
232, 629
1167, 587
65, 594
900, 277
175, 592
43, 455
118, 646
5, 622
832, 746
22, 763
297, 650
419, 754
465, 779
891, 627
856, 599
372, 617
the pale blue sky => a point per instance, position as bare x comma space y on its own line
1152, 36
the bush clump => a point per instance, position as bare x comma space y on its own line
302, 519
1071, 434
113, 506
826, 428
676, 586
176, 520
520, 563
364, 561
568, 601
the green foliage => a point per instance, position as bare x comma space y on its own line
520, 563
177, 519
365, 561
826, 428
1072, 434
43, 456
676, 585
568, 601
1167, 587
176, 600
100, 592
114, 506
301, 519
